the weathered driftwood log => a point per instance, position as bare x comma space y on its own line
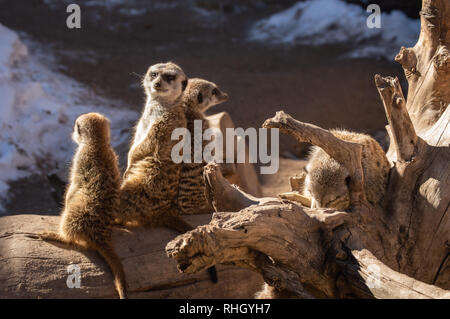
312, 253
242, 174
31, 268
224, 196
399, 249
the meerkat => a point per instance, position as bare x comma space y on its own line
150, 183
92, 196
326, 181
199, 96
325, 184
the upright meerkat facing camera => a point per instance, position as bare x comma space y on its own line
326, 181
92, 198
199, 96
150, 186
163, 84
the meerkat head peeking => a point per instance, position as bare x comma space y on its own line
91, 127
164, 81
204, 94
326, 181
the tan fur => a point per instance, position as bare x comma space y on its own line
269, 292
149, 189
197, 98
92, 198
325, 181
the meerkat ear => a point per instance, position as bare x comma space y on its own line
183, 85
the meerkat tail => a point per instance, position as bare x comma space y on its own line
212, 271
111, 258
54, 236
105, 250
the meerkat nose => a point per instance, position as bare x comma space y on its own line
157, 85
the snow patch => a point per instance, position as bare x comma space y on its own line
38, 107
318, 22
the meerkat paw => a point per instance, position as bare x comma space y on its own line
52, 236
296, 197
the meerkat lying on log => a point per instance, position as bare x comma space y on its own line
325, 184
325, 181
150, 184
92, 198
199, 96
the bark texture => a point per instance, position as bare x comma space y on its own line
242, 174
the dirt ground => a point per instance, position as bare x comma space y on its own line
312, 84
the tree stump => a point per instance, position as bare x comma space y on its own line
399, 249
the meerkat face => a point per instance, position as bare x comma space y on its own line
326, 182
205, 94
91, 127
165, 80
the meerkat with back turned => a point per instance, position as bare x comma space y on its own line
92, 198
150, 185
198, 97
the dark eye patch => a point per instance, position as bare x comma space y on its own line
200, 98
78, 128
153, 75
169, 77
215, 91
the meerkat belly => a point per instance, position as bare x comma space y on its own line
152, 114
